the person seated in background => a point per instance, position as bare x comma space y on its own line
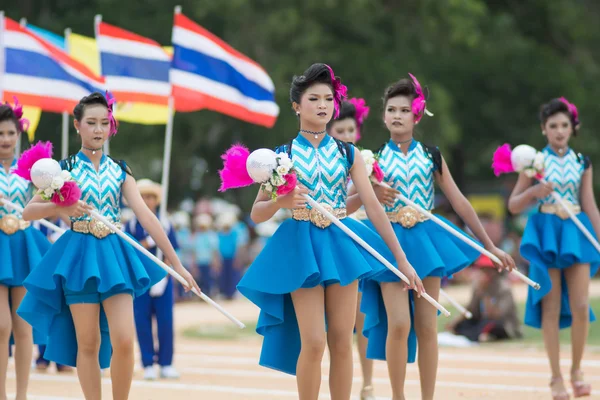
492, 305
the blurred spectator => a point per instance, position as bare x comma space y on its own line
229, 245
205, 244
492, 305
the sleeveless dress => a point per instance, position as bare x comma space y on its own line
85, 267
429, 248
550, 241
303, 255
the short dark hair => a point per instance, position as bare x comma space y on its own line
92, 99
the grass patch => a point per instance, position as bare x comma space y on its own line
221, 331
228, 332
534, 336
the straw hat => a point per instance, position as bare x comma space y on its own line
226, 220
146, 186
203, 221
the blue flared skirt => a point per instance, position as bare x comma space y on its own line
19, 254
301, 255
551, 242
77, 262
433, 252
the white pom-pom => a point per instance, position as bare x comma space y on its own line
260, 165
522, 157
44, 171
57, 182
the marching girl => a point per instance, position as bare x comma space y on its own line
81, 293
347, 127
21, 248
561, 258
307, 275
411, 168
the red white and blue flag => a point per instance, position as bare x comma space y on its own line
40, 74
207, 73
136, 68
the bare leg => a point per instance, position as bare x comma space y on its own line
578, 282
309, 305
426, 330
86, 318
23, 343
550, 328
340, 308
119, 312
365, 363
5, 329
396, 352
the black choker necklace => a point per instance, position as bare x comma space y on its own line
405, 141
313, 133
92, 150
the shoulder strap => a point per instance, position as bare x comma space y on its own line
68, 163
434, 153
123, 166
345, 149
380, 149
585, 160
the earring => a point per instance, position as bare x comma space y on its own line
297, 113
544, 133
78, 131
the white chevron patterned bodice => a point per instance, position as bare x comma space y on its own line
564, 173
410, 174
14, 188
323, 170
102, 189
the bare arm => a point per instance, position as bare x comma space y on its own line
588, 200
385, 195
378, 217
526, 193
38, 208
151, 224
353, 202
264, 207
467, 213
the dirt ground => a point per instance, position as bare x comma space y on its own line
228, 369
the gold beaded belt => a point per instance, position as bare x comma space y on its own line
93, 227
11, 224
559, 211
406, 216
315, 217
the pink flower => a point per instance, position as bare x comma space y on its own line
30, 157
234, 173
69, 194
291, 180
377, 172
419, 103
501, 162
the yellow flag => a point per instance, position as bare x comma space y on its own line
85, 50
33, 114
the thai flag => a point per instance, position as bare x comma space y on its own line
207, 73
40, 74
136, 68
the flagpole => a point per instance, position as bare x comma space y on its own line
167, 153
23, 23
65, 115
2, 66
97, 21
